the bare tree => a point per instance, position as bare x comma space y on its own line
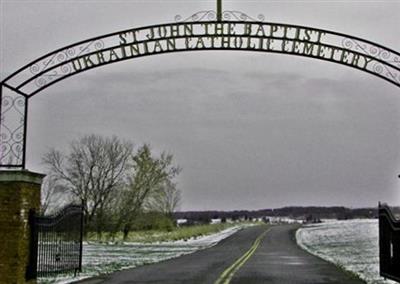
165, 199
53, 195
148, 173
91, 171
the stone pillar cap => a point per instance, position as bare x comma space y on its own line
21, 175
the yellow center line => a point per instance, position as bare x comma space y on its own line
227, 275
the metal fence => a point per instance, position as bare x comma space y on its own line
56, 245
389, 243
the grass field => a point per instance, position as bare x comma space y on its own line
179, 233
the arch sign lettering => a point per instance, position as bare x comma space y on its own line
206, 30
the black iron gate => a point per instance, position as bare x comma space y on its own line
389, 243
56, 245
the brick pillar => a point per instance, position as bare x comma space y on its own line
19, 192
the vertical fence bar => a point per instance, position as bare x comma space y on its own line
31, 272
56, 250
2, 118
1, 112
47, 247
25, 133
81, 237
381, 241
219, 10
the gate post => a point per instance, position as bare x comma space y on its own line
19, 194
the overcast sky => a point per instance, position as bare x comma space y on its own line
250, 130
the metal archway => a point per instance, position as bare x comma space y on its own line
205, 30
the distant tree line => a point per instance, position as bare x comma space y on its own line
334, 212
119, 185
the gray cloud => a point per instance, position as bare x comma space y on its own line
250, 130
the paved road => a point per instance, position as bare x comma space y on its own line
253, 255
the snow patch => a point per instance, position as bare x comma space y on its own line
107, 258
351, 244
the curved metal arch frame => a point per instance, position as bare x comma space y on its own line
18, 88
58, 65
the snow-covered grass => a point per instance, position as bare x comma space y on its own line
106, 258
352, 245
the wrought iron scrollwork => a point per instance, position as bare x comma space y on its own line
390, 60
240, 16
369, 49
12, 135
59, 58
211, 15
